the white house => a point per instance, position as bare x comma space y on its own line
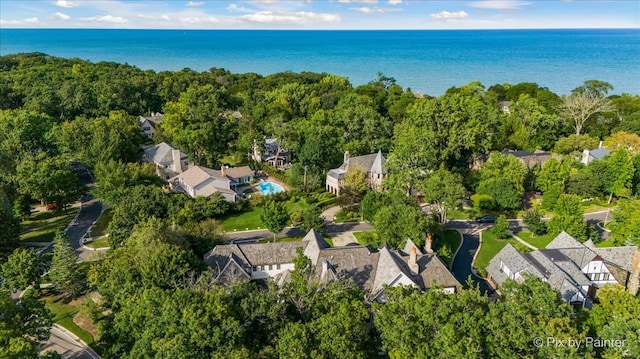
203, 181
148, 124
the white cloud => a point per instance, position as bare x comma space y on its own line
236, 8
106, 18
144, 16
198, 20
67, 4
446, 15
395, 2
195, 3
29, 21
505, 5
265, 2
297, 18
165, 17
375, 9
359, 1
61, 16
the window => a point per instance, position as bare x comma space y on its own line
255, 268
594, 276
146, 128
270, 267
278, 266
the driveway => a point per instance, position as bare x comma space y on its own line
67, 345
463, 260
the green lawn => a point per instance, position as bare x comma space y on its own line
607, 243
536, 241
100, 228
460, 214
63, 314
42, 226
490, 246
233, 160
99, 243
452, 239
366, 237
251, 219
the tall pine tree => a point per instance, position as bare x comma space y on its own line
65, 271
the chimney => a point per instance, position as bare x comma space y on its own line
600, 145
325, 268
585, 156
427, 244
413, 261
634, 279
223, 171
346, 157
177, 162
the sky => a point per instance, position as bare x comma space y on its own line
320, 14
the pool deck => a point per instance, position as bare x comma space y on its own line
256, 188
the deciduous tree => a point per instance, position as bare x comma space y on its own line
274, 216
581, 105
568, 217
443, 189
21, 270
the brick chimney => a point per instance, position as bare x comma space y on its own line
428, 243
635, 273
413, 261
177, 162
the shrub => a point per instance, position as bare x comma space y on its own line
482, 202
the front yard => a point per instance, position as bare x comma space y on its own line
66, 314
446, 249
490, 246
535, 240
42, 226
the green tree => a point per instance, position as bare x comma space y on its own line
625, 227
25, 324
197, 123
615, 317
9, 224
48, 179
311, 219
482, 202
502, 191
620, 172
65, 271
532, 126
501, 228
274, 216
443, 189
554, 174
372, 202
533, 221
353, 189
504, 166
568, 217
395, 223
113, 179
575, 144
21, 270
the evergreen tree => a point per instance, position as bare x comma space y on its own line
65, 270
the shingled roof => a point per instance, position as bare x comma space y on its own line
161, 153
373, 163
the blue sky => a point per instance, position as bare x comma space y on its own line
319, 14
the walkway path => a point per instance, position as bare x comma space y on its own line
522, 241
329, 213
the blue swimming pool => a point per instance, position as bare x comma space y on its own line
267, 188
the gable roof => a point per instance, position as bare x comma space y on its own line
162, 153
564, 240
316, 243
373, 163
599, 153
237, 172
433, 271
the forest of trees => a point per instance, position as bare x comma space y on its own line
55, 113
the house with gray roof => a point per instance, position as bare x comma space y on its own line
203, 181
370, 270
271, 153
538, 157
373, 165
574, 269
169, 160
148, 124
589, 156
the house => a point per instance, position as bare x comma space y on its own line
203, 181
504, 106
574, 269
270, 154
169, 160
148, 124
530, 159
372, 164
599, 153
368, 269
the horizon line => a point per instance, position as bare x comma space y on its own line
316, 29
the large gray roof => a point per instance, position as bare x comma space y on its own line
161, 153
373, 163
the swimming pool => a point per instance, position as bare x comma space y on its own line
267, 188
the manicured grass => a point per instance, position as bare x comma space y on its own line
490, 246
460, 214
607, 243
99, 243
100, 228
452, 239
233, 160
534, 240
42, 226
242, 221
63, 314
366, 237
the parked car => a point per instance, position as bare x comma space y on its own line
486, 219
51, 207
